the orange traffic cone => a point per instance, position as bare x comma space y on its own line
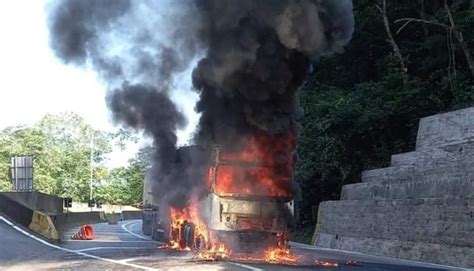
85, 233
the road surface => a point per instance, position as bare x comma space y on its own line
123, 247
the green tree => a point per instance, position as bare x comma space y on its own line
125, 184
61, 147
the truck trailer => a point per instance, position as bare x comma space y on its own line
237, 209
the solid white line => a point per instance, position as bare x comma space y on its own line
99, 248
72, 251
109, 241
6, 221
246, 266
310, 247
124, 227
129, 259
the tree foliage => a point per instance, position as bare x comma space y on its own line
358, 108
61, 146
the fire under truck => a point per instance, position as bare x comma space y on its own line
242, 218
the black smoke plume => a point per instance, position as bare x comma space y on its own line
137, 47
259, 54
256, 54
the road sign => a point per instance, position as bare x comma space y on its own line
22, 173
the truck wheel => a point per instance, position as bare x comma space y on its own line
188, 235
146, 222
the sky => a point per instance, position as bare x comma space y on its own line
35, 83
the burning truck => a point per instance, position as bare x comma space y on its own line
247, 204
248, 60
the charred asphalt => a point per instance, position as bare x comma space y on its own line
123, 247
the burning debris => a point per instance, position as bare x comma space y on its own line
280, 255
235, 187
326, 263
216, 252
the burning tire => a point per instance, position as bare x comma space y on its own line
187, 238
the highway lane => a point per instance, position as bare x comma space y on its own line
123, 247
18, 251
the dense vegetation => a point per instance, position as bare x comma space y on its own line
364, 104
61, 146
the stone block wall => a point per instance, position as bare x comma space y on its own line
419, 208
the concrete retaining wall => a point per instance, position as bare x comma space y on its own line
419, 208
446, 129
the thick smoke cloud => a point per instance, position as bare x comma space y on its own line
259, 54
256, 56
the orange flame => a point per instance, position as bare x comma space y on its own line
178, 218
326, 263
263, 167
280, 255
272, 255
217, 252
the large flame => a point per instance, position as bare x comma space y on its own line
181, 217
206, 252
263, 167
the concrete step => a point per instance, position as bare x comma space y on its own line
444, 155
444, 221
416, 171
388, 174
425, 186
446, 129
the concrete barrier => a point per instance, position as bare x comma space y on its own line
107, 208
36, 221
43, 225
37, 201
66, 220
16, 211
131, 215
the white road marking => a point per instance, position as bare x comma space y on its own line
246, 266
310, 247
6, 221
129, 259
99, 248
124, 227
73, 251
109, 241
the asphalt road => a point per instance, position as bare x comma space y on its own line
123, 247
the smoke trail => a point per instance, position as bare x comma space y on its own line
137, 47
